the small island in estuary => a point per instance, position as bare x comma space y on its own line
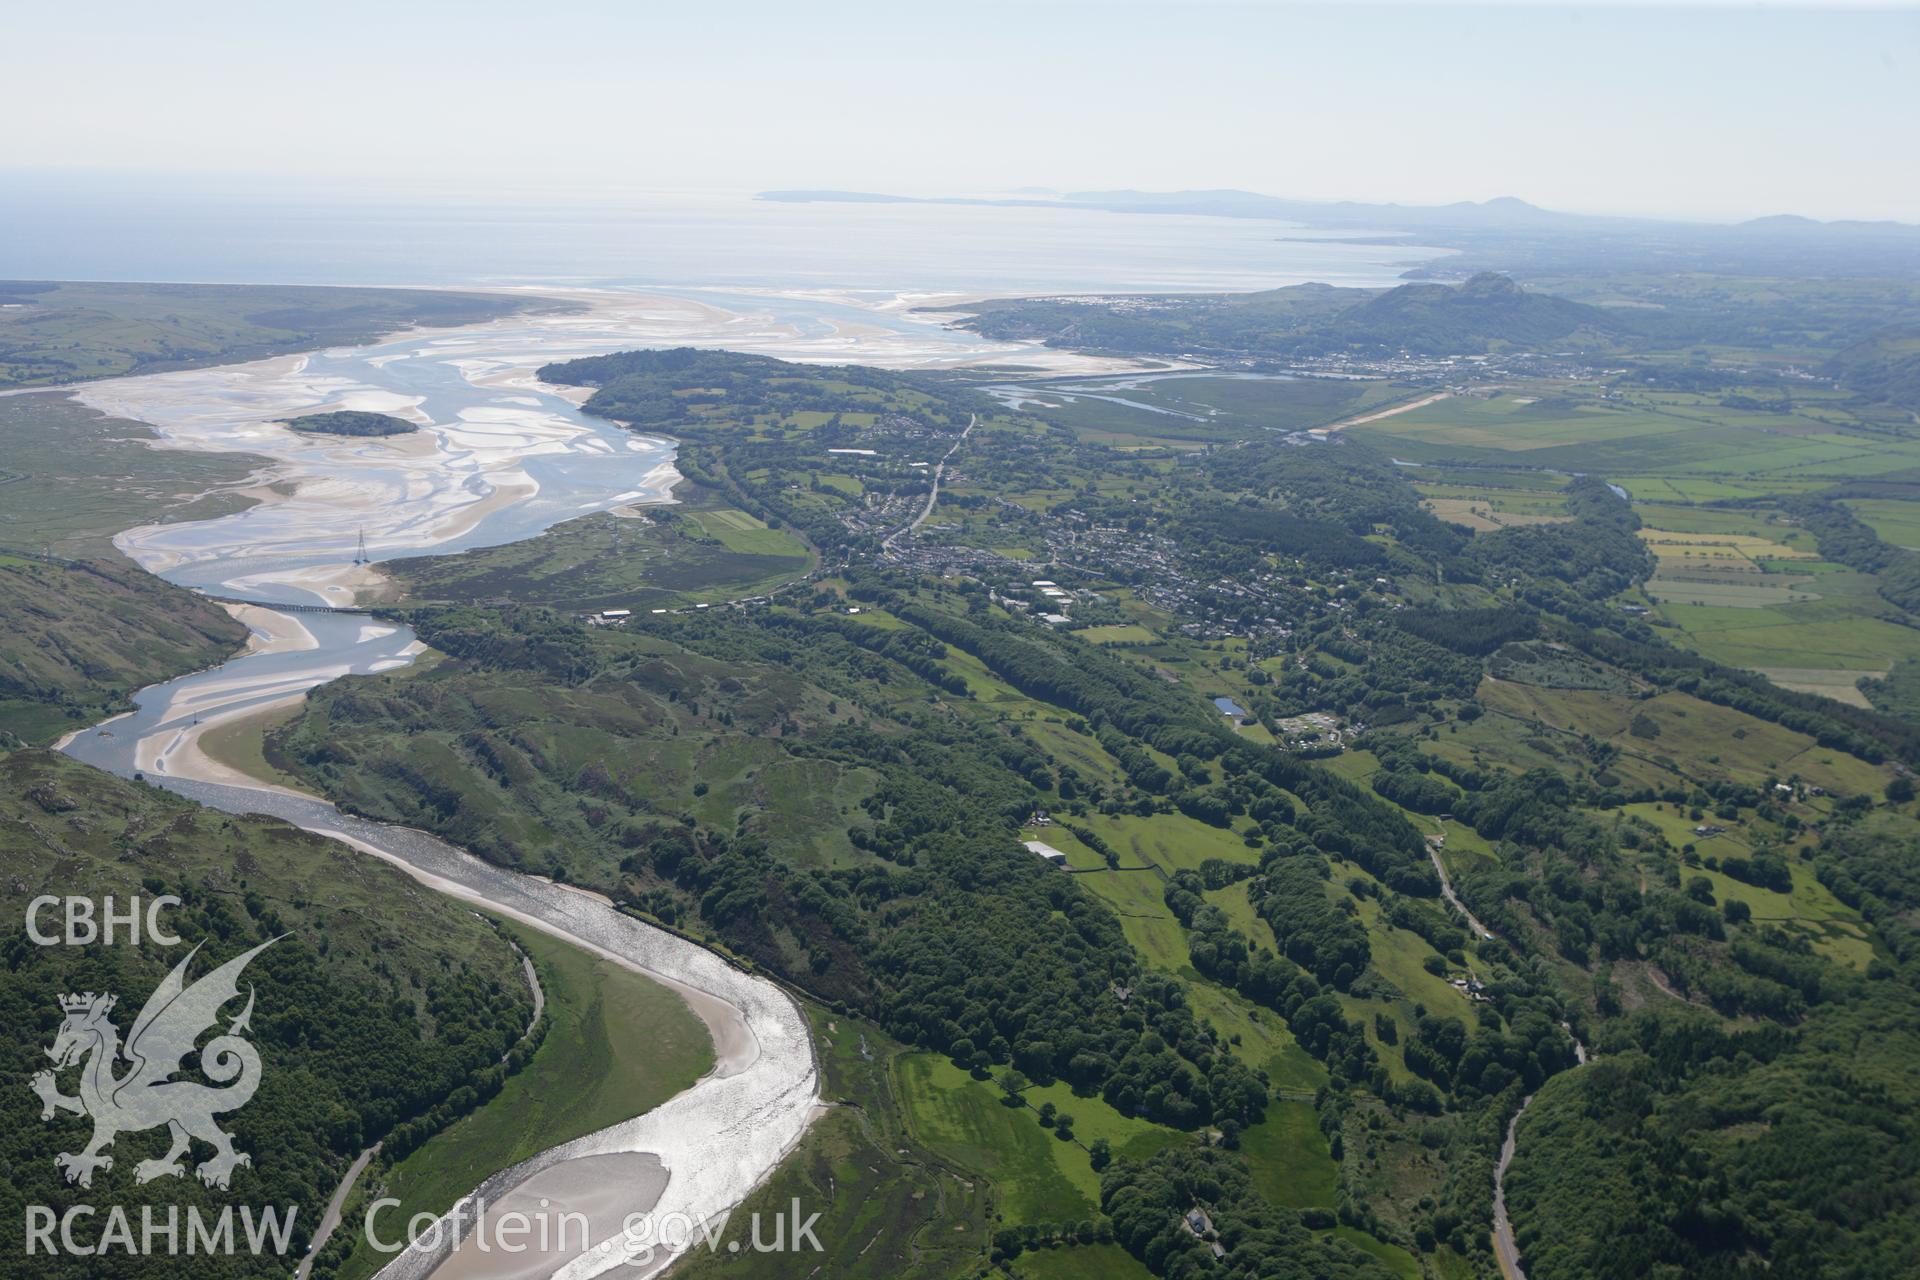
351, 422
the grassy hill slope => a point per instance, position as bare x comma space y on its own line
80, 626
65, 331
1486, 312
82, 636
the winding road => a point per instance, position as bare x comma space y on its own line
933, 497
1505, 1248
1480, 931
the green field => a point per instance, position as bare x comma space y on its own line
1895, 520
1288, 1156
1137, 898
1742, 584
1630, 434
1395, 1259
240, 744
1094, 1118
1842, 631
891, 1207
1124, 633
1080, 1262
1729, 595
1713, 740
1725, 522
742, 534
1037, 1177
1170, 841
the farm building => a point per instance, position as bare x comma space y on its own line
1046, 851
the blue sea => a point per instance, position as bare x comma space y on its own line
64, 227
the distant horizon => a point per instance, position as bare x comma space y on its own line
269, 188
1041, 193
1684, 113
308, 236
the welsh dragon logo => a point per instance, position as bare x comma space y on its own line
145, 1095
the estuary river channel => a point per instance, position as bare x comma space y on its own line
498, 457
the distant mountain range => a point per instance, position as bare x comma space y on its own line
1507, 233
1500, 212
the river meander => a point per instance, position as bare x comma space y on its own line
498, 457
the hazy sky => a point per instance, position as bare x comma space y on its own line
1718, 112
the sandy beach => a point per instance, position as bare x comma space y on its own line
181, 754
588, 1200
344, 586
270, 631
281, 661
